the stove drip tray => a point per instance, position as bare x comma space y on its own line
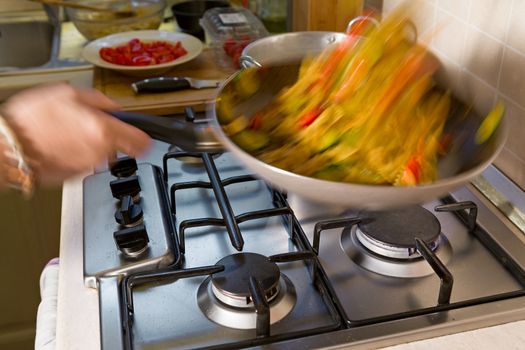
225, 297
384, 242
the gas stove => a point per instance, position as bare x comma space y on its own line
190, 251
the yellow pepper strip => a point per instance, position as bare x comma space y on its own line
489, 124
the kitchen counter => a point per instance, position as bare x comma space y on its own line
79, 73
77, 319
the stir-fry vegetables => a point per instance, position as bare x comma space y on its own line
364, 111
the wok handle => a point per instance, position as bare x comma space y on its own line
356, 21
170, 130
247, 61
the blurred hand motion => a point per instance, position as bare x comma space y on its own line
64, 131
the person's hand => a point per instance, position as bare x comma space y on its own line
64, 131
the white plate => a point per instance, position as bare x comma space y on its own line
190, 43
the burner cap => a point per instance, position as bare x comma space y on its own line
400, 227
234, 281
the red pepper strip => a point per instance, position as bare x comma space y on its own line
444, 143
315, 83
309, 117
415, 167
357, 75
256, 121
337, 55
414, 67
412, 173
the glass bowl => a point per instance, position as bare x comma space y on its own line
97, 24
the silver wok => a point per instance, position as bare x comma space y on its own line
457, 168
287, 48
295, 46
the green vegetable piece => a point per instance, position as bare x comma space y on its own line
251, 140
225, 109
329, 139
331, 173
247, 83
351, 137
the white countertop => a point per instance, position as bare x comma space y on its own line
78, 323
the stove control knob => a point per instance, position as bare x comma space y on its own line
124, 167
132, 241
128, 186
129, 214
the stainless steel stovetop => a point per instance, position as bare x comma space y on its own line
204, 255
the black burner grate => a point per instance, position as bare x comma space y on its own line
134, 319
256, 283
467, 212
263, 330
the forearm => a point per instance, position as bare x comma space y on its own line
4, 169
65, 131
14, 171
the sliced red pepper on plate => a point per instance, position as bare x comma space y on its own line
139, 53
142, 60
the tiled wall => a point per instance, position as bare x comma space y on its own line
482, 46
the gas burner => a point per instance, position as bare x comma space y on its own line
384, 242
392, 233
225, 297
232, 286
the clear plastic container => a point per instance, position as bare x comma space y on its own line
229, 30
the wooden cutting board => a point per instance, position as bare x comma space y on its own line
118, 87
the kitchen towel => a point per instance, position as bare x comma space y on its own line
47, 310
